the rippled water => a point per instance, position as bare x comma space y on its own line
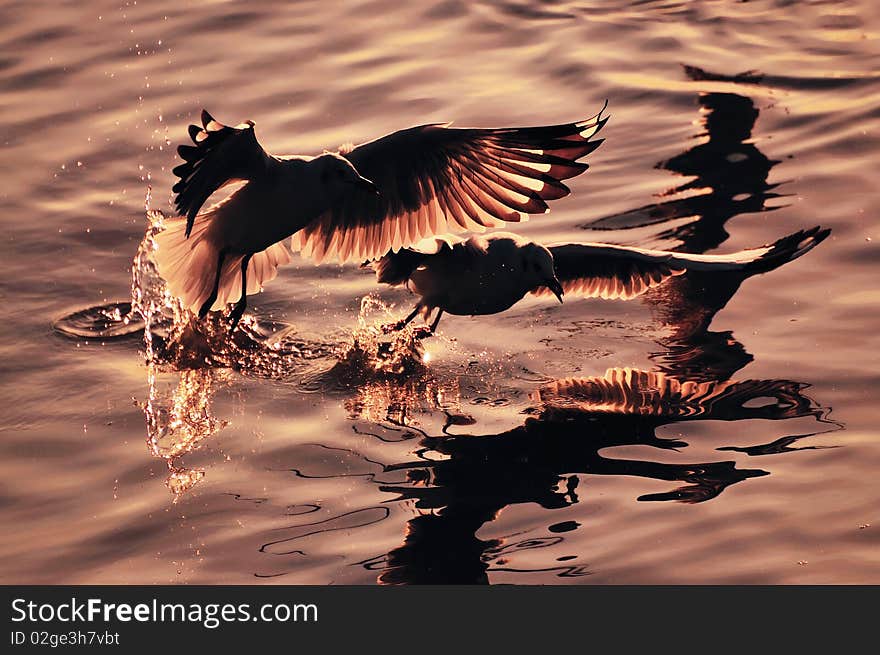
706, 435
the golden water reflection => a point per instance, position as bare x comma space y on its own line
182, 421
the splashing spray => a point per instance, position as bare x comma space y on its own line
151, 301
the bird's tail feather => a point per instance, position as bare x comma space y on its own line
189, 265
757, 260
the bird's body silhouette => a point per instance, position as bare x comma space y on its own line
489, 274
353, 205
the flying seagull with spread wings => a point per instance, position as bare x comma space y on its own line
490, 274
353, 205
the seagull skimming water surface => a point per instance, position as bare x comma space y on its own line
489, 274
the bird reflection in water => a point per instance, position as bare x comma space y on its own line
461, 482
729, 177
686, 307
730, 172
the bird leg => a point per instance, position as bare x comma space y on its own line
237, 311
396, 327
206, 306
425, 332
436, 320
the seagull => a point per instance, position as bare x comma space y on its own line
489, 274
355, 204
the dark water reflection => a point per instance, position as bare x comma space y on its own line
728, 177
476, 477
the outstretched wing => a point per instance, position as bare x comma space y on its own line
434, 179
599, 270
221, 154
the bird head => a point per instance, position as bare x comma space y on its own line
338, 175
538, 269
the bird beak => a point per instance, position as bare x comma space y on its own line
554, 285
367, 185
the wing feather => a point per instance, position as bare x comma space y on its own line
435, 178
596, 270
221, 155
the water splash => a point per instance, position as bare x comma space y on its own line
174, 337
374, 354
150, 300
261, 347
182, 423
104, 322
150, 309
186, 358
407, 402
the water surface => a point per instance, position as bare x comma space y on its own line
725, 435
